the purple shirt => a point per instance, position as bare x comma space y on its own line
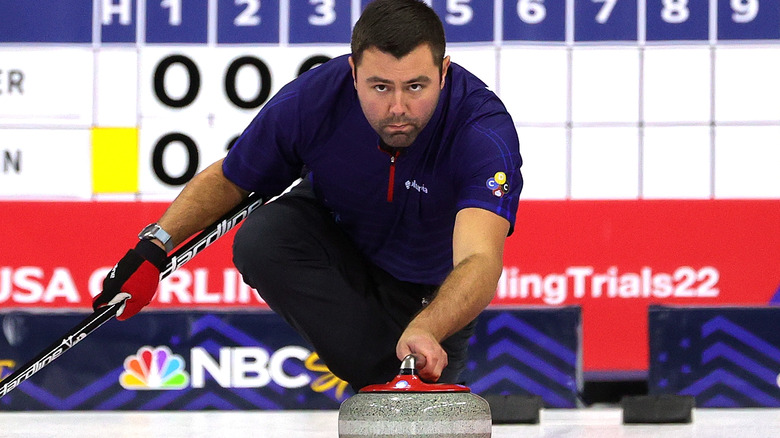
466, 156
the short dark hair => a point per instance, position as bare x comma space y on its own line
397, 27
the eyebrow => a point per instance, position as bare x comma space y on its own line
419, 79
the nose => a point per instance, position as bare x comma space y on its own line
398, 104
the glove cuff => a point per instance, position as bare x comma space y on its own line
152, 253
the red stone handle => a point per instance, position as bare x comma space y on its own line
408, 381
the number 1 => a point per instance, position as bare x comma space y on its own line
174, 17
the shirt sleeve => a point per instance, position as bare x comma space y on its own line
489, 171
263, 159
271, 152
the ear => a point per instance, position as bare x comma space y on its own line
445, 65
354, 71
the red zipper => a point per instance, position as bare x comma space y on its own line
391, 182
391, 177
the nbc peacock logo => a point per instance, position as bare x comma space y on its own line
154, 368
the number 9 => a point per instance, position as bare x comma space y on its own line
745, 11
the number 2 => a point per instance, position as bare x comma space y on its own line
248, 17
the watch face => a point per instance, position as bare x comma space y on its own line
154, 231
148, 232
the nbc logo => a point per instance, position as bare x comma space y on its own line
154, 368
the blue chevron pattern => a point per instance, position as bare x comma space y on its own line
94, 388
528, 351
724, 357
516, 351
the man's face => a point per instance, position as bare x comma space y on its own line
398, 96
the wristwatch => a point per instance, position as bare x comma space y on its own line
155, 231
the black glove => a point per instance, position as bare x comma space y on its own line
135, 277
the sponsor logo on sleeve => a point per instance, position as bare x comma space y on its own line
497, 184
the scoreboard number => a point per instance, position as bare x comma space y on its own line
325, 12
605, 11
248, 16
459, 12
748, 20
193, 84
675, 11
192, 160
531, 11
745, 11
174, 16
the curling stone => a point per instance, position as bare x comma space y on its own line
408, 407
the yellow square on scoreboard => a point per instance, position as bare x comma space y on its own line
114, 160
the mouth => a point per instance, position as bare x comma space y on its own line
398, 128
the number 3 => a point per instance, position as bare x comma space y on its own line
326, 12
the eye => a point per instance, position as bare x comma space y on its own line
380, 87
416, 87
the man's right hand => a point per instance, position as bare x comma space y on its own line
135, 278
431, 357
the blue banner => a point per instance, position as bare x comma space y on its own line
726, 357
254, 360
532, 351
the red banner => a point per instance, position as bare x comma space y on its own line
613, 258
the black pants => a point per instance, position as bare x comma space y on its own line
349, 310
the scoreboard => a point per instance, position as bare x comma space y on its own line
133, 97
330, 21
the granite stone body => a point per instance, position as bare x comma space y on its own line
415, 414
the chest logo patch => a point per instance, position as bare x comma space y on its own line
413, 185
497, 184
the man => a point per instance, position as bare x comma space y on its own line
392, 244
